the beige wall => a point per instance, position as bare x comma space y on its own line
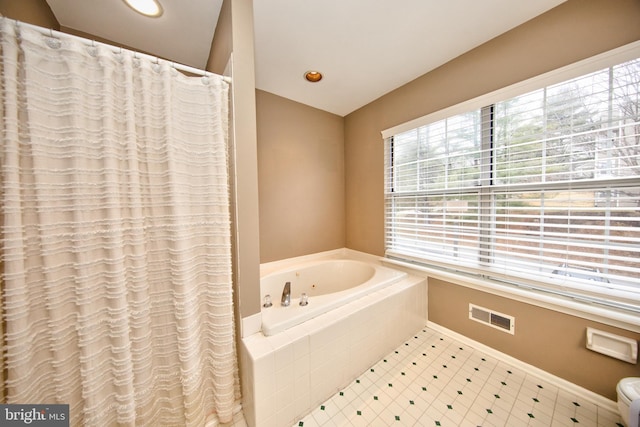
547, 339
222, 45
36, 12
233, 51
301, 178
573, 31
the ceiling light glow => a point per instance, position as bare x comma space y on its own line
145, 7
313, 76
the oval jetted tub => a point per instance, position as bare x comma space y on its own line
327, 284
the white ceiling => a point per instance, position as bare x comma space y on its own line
182, 34
364, 48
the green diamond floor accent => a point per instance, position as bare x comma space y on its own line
444, 375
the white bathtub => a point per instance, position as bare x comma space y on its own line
359, 311
328, 284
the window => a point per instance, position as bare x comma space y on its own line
540, 190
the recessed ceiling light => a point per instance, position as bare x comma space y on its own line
313, 76
146, 7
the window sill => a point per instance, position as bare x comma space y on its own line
593, 312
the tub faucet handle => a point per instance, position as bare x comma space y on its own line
304, 299
267, 301
286, 295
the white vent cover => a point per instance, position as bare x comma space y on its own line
492, 318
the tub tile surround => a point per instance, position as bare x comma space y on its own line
436, 378
289, 373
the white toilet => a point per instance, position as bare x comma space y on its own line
629, 400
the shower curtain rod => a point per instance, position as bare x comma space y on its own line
176, 65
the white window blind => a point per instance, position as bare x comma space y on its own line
540, 190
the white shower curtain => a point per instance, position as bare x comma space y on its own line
116, 286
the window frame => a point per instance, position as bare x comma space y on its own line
500, 283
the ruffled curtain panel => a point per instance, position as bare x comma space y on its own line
116, 285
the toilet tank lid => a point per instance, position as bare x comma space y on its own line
630, 387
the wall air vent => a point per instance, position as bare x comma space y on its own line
492, 318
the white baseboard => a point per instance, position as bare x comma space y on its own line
568, 386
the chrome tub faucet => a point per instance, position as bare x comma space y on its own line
286, 295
